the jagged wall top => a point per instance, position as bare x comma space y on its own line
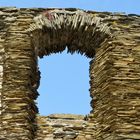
54, 29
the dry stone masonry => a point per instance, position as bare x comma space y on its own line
64, 126
112, 40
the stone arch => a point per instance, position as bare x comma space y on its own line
80, 31
55, 30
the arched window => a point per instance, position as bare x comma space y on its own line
64, 84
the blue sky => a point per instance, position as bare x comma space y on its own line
64, 84
128, 6
64, 77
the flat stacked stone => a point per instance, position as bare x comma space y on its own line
110, 39
64, 127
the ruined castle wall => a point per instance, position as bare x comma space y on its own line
116, 84
114, 76
125, 81
18, 94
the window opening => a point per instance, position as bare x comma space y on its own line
64, 84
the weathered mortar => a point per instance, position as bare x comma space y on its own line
113, 41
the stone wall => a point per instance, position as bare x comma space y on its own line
115, 88
64, 127
112, 40
2, 51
